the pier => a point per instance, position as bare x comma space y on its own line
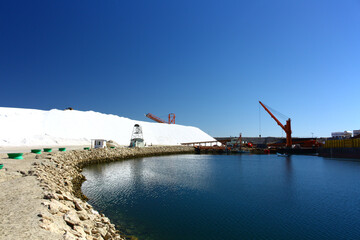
207, 147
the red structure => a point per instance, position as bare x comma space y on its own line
159, 120
286, 128
171, 118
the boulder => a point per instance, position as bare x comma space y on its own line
72, 219
83, 215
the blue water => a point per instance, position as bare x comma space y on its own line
229, 197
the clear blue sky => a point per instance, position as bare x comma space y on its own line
209, 62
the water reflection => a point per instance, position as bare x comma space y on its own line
187, 173
288, 168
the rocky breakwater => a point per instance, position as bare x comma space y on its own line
60, 177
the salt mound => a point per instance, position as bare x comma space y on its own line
30, 127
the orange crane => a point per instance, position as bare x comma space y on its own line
286, 128
159, 120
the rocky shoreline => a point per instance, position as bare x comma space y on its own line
66, 213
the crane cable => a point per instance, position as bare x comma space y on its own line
277, 113
259, 121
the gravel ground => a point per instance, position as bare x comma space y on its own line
20, 200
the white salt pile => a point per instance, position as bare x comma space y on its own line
30, 127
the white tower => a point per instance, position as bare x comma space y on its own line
137, 137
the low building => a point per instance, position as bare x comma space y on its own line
356, 133
98, 143
341, 135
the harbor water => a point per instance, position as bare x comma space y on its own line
229, 197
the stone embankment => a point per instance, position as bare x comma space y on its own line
67, 214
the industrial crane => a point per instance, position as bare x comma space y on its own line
286, 128
238, 141
159, 120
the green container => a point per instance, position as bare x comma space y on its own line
36, 151
47, 149
15, 155
86, 148
1, 165
112, 147
62, 149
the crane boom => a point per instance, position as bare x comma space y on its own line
155, 118
272, 115
159, 120
286, 128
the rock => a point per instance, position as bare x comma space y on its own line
88, 206
71, 219
58, 191
78, 205
80, 231
87, 229
46, 223
46, 220
94, 212
97, 237
56, 207
102, 231
49, 195
45, 216
69, 236
89, 237
46, 203
70, 204
52, 226
99, 224
83, 215
67, 196
105, 220
108, 236
59, 196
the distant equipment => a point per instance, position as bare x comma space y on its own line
171, 118
235, 143
137, 139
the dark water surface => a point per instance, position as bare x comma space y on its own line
229, 197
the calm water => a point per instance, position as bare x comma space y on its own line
229, 197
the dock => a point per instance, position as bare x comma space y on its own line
207, 147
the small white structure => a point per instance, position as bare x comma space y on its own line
137, 142
98, 143
341, 135
137, 139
